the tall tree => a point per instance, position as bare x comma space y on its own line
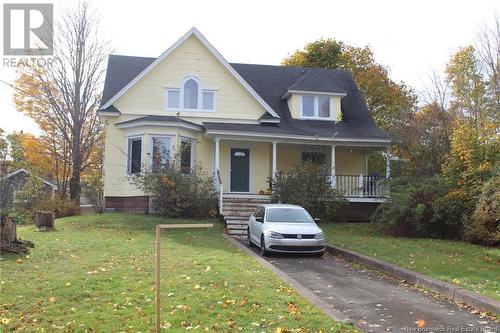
322, 53
63, 96
488, 50
465, 75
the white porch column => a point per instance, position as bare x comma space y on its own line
333, 166
273, 174
217, 155
366, 164
388, 163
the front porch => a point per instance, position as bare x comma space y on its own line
246, 167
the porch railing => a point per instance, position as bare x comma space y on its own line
361, 186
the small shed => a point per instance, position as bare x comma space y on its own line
14, 181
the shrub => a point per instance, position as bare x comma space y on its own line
410, 210
452, 213
309, 186
485, 226
20, 216
60, 206
178, 194
94, 191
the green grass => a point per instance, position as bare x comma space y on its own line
96, 273
469, 266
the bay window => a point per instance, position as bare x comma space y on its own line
186, 156
134, 156
161, 151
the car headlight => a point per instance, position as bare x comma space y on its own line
319, 235
273, 234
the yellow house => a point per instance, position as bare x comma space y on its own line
242, 122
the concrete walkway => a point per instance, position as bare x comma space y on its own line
375, 303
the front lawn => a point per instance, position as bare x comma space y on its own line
96, 273
469, 266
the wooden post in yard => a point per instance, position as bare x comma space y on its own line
158, 230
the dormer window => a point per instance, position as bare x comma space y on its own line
191, 96
316, 107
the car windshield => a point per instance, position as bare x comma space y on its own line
288, 215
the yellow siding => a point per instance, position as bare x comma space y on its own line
294, 105
350, 162
287, 158
233, 101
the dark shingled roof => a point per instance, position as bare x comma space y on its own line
312, 82
272, 83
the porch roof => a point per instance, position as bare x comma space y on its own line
307, 129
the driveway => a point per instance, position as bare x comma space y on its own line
376, 303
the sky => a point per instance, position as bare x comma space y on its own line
411, 38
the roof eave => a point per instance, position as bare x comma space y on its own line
307, 92
139, 123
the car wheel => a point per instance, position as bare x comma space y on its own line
249, 240
319, 254
263, 250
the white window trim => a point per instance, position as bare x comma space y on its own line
128, 157
201, 90
170, 149
316, 107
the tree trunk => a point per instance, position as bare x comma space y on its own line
8, 232
8, 237
44, 220
74, 183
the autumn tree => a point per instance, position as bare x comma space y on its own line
468, 86
62, 97
4, 146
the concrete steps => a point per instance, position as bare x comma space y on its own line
237, 210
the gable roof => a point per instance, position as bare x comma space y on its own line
270, 84
192, 32
18, 171
314, 83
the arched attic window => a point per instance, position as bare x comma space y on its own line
190, 96
191, 92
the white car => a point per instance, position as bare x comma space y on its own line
285, 229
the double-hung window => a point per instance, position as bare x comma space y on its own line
134, 156
316, 106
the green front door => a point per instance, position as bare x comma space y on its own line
240, 170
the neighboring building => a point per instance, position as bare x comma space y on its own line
243, 121
13, 182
